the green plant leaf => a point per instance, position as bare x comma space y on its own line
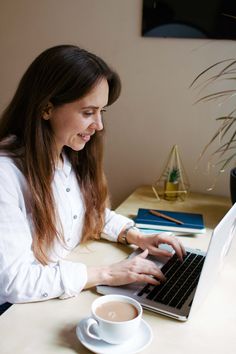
226, 132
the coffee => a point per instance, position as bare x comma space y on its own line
114, 318
117, 311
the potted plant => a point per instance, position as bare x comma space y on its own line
172, 183
224, 72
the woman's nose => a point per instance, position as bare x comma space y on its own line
98, 124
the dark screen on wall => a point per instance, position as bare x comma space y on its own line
189, 18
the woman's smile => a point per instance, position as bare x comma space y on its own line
85, 137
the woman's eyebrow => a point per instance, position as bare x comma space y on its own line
93, 107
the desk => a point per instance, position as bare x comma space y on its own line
49, 327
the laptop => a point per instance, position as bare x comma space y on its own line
188, 282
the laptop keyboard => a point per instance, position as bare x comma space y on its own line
181, 280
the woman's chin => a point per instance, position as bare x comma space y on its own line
77, 147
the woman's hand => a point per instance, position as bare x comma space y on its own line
153, 241
136, 269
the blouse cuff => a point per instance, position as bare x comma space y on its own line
74, 278
114, 224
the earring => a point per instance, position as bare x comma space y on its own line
46, 114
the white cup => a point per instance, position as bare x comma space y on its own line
114, 330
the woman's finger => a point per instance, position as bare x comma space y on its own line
144, 278
173, 242
141, 265
143, 254
160, 252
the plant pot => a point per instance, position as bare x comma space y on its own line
233, 185
170, 189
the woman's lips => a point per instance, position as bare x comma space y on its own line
85, 137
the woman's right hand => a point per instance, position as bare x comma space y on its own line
136, 269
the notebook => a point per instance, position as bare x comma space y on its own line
188, 222
198, 273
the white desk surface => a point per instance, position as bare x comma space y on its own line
49, 327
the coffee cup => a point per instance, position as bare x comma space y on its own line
115, 319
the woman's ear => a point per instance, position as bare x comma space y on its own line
46, 114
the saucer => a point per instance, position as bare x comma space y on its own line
135, 344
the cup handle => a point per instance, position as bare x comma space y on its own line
91, 322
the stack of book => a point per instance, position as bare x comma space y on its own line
174, 221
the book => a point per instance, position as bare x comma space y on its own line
187, 222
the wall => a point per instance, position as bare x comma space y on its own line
156, 107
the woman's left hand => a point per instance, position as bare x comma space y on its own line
152, 243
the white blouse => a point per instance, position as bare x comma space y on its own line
22, 277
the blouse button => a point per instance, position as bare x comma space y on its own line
45, 294
75, 217
68, 189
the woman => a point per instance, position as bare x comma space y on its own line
53, 192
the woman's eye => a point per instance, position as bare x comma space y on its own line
88, 114
91, 113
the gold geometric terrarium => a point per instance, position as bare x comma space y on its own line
173, 183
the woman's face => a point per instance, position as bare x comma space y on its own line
74, 123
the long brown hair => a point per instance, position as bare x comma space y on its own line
59, 75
